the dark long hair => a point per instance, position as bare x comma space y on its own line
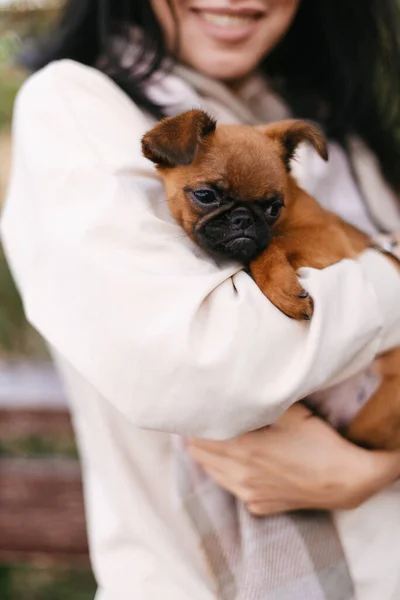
339, 63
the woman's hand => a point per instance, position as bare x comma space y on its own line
300, 462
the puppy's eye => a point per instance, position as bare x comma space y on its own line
274, 209
206, 196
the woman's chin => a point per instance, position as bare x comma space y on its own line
223, 66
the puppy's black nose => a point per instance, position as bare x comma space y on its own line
241, 218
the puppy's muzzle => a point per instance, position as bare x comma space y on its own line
233, 232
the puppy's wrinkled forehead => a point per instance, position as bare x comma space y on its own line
242, 161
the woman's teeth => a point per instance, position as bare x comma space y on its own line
227, 20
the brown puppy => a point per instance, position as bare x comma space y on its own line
230, 188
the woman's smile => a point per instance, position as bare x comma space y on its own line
229, 24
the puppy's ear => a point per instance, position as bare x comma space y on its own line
174, 141
291, 133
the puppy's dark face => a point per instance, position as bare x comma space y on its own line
227, 185
231, 227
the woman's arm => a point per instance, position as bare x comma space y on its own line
174, 342
299, 462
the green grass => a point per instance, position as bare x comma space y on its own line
17, 337
11, 78
12, 320
29, 583
12, 323
38, 447
10, 82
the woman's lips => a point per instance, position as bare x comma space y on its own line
233, 26
227, 20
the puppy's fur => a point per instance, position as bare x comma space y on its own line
230, 188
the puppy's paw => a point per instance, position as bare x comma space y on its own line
278, 281
283, 289
293, 301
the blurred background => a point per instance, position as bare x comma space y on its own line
43, 547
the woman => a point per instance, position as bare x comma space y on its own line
150, 335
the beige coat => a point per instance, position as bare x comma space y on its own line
152, 337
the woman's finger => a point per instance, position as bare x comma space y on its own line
204, 456
297, 412
226, 483
208, 460
225, 448
271, 507
248, 495
232, 475
235, 485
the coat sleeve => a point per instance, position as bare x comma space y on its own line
174, 341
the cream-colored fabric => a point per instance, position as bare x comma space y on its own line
151, 334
